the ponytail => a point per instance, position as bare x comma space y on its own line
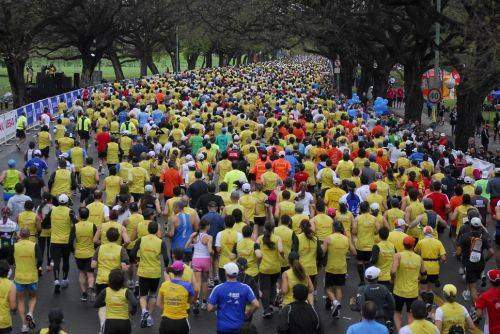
305, 226
298, 270
266, 238
55, 327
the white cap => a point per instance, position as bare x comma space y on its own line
191, 164
236, 138
148, 188
372, 273
189, 157
151, 153
337, 181
117, 207
468, 180
231, 269
342, 201
37, 152
246, 187
400, 222
442, 134
281, 153
63, 198
476, 222
375, 206
403, 154
200, 156
64, 155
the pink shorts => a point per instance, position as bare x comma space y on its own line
202, 264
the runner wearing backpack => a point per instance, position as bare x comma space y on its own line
474, 244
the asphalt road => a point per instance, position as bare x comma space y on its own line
81, 318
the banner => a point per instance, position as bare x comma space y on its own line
75, 94
69, 99
54, 100
45, 104
8, 125
30, 112
38, 111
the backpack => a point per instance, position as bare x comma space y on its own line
353, 202
476, 249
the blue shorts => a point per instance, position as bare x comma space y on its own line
26, 287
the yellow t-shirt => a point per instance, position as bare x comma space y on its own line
337, 249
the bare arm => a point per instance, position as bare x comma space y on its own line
395, 265
97, 236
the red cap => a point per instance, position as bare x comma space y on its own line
409, 241
373, 186
331, 212
408, 184
494, 275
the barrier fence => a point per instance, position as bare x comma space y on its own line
34, 110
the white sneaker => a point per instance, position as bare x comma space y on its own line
25, 329
64, 283
460, 271
466, 295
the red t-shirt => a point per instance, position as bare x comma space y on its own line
439, 201
102, 139
299, 178
490, 300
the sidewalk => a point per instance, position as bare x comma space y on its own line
446, 128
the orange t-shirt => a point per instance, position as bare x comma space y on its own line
282, 168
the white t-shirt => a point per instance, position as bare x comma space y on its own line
218, 236
45, 119
306, 201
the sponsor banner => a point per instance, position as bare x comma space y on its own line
30, 111
54, 100
75, 94
8, 125
38, 111
69, 99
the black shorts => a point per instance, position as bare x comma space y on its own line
102, 155
148, 286
7, 330
473, 275
117, 326
132, 259
84, 135
99, 288
137, 197
174, 326
84, 265
400, 302
283, 269
45, 152
332, 280
260, 221
20, 134
430, 279
159, 187
364, 256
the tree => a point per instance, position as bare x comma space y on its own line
21, 24
87, 32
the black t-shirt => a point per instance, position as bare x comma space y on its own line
473, 241
34, 185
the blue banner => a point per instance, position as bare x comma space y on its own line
38, 111
46, 104
54, 100
69, 99
30, 111
75, 95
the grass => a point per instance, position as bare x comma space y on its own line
130, 70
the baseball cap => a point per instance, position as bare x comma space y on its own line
443, 134
151, 153
246, 187
450, 289
37, 152
178, 266
409, 241
231, 269
468, 180
200, 156
63, 198
476, 222
494, 275
476, 173
337, 181
373, 186
191, 164
188, 157
281, 153
372, 272
428, 230
11, 163
400, 222
331, 212
374, 206
148, 188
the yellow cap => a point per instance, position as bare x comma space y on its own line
450, 290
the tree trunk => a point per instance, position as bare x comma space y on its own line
221, 59
191, 59
117, 66
238, 60
469, 103
346, 77
365, 79
245, 59
151, 64
381, 83
15, 71
173, 60
88, 66
208, 59
413, 94
144, 66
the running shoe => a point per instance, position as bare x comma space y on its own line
31, 322
64, 283
150, 322
336, 309
91, 294
84, 297
101, 329
328, 304
25, 329
204, 306
144, 319
57, 287
196, 307
466, 295
267, 313
483, 280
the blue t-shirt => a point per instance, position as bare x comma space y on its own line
142, 117
41, 166
215, 221
186, 285
231, 299
367, 326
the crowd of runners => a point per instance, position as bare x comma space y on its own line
243, 188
